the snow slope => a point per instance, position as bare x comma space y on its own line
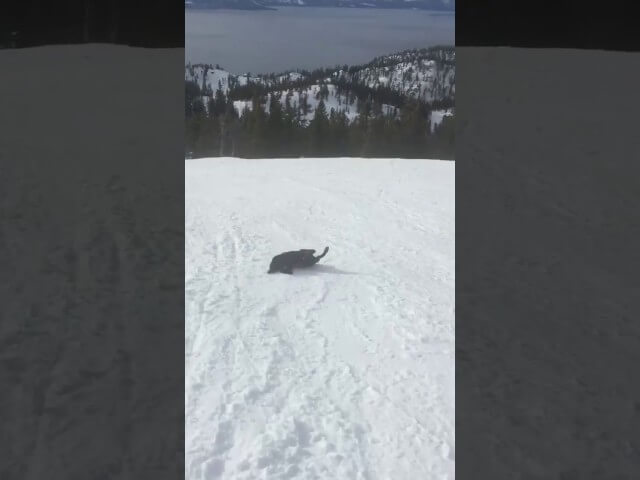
344, 371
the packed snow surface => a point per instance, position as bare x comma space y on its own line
342, 371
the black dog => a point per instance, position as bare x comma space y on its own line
287, 261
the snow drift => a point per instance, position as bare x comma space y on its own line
343, 371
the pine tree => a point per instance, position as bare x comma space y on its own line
275, 122
219, 103
318, 129
198, 107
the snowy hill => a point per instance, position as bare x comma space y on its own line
427, 75
345, 371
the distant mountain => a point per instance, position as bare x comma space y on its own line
436, 5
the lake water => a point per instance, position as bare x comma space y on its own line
307, 37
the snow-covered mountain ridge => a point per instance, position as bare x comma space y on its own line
424, 75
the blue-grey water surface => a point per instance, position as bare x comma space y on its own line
308, 37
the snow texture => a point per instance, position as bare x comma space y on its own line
342, 371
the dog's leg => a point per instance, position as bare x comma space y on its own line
288, 269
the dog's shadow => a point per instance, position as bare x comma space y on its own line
323, 269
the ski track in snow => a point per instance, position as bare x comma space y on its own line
343, 371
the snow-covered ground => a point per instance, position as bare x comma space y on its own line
344, 371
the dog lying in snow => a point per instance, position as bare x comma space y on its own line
287, 261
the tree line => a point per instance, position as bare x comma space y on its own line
274, 126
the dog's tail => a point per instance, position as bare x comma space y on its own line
326, 249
